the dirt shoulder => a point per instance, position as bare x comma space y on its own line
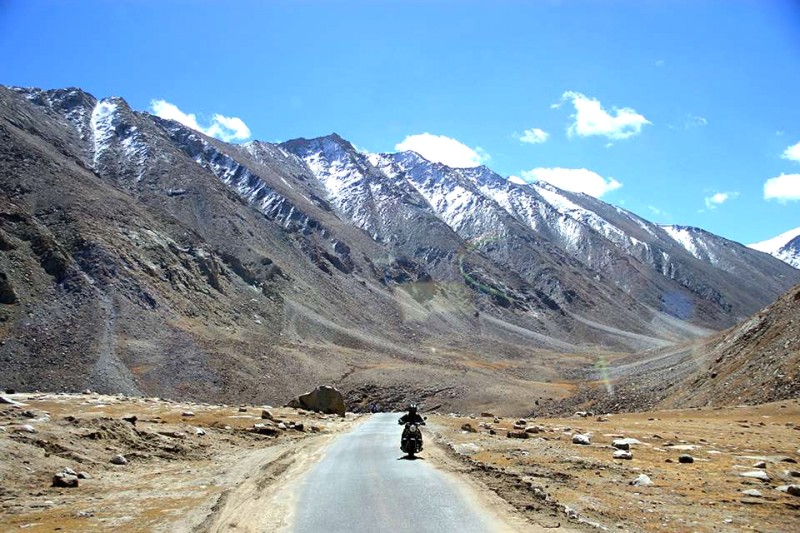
190, 467
550, 481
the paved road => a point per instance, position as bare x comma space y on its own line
363, 484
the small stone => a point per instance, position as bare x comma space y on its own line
243, 409
621, 445
199, 432
752, 492
583, 440
266, 415
187, 413
517, 435
756, 474
487, 415
67, 470
793, 473
281, 426
642, 481
760, 464
794, 490
119, 460
468, 428
685, 459
65, 480
25, 428
623, 454
533, 429
83, 475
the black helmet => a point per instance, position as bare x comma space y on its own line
412, 408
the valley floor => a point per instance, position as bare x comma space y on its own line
194, 467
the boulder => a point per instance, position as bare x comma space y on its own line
623, 454
755, 493
583, 440
468, 428
119, 460
621, 445
642, 481
533, 429
756, 474
794, 490
267, 415
65, 480
685, 459
323, 399
517, 435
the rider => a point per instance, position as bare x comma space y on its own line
412, 417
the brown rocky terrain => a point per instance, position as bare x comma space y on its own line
200, 467
546, 473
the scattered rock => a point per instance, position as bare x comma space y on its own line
25, 428
119, 460
266, 415
533, 429
643, 480
264, 429
65, 480
323, 399
9, 401
752, 492
298, 426
131, 419
468, 428
794, 490
756, 474
581, 439
623, 454
281, 425
760, 464
516, 434
793, 473
84, 514
83, 475
621, 445
187, 414
67, 470
199, 432
685, 459
243, 409
487, 415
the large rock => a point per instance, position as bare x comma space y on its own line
323, 399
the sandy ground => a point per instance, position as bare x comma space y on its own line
231, 478
547, 473
175, 480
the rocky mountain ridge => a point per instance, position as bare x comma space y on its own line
139, 256
785, 247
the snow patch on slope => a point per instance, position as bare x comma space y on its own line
785, 247
691, 240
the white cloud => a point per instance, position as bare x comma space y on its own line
792, 153
534, 136
517, 180
592, 119
719, 198
223, 128
573, 179
441, 149
783, 188
660, 63
694, 121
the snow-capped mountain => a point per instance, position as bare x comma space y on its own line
122, 234
785, 247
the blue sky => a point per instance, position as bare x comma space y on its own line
684, 112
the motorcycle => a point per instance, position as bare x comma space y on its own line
411, 440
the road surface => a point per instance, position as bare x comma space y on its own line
364, 484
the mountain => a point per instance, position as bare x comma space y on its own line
785, 247
754, 362
140, 256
